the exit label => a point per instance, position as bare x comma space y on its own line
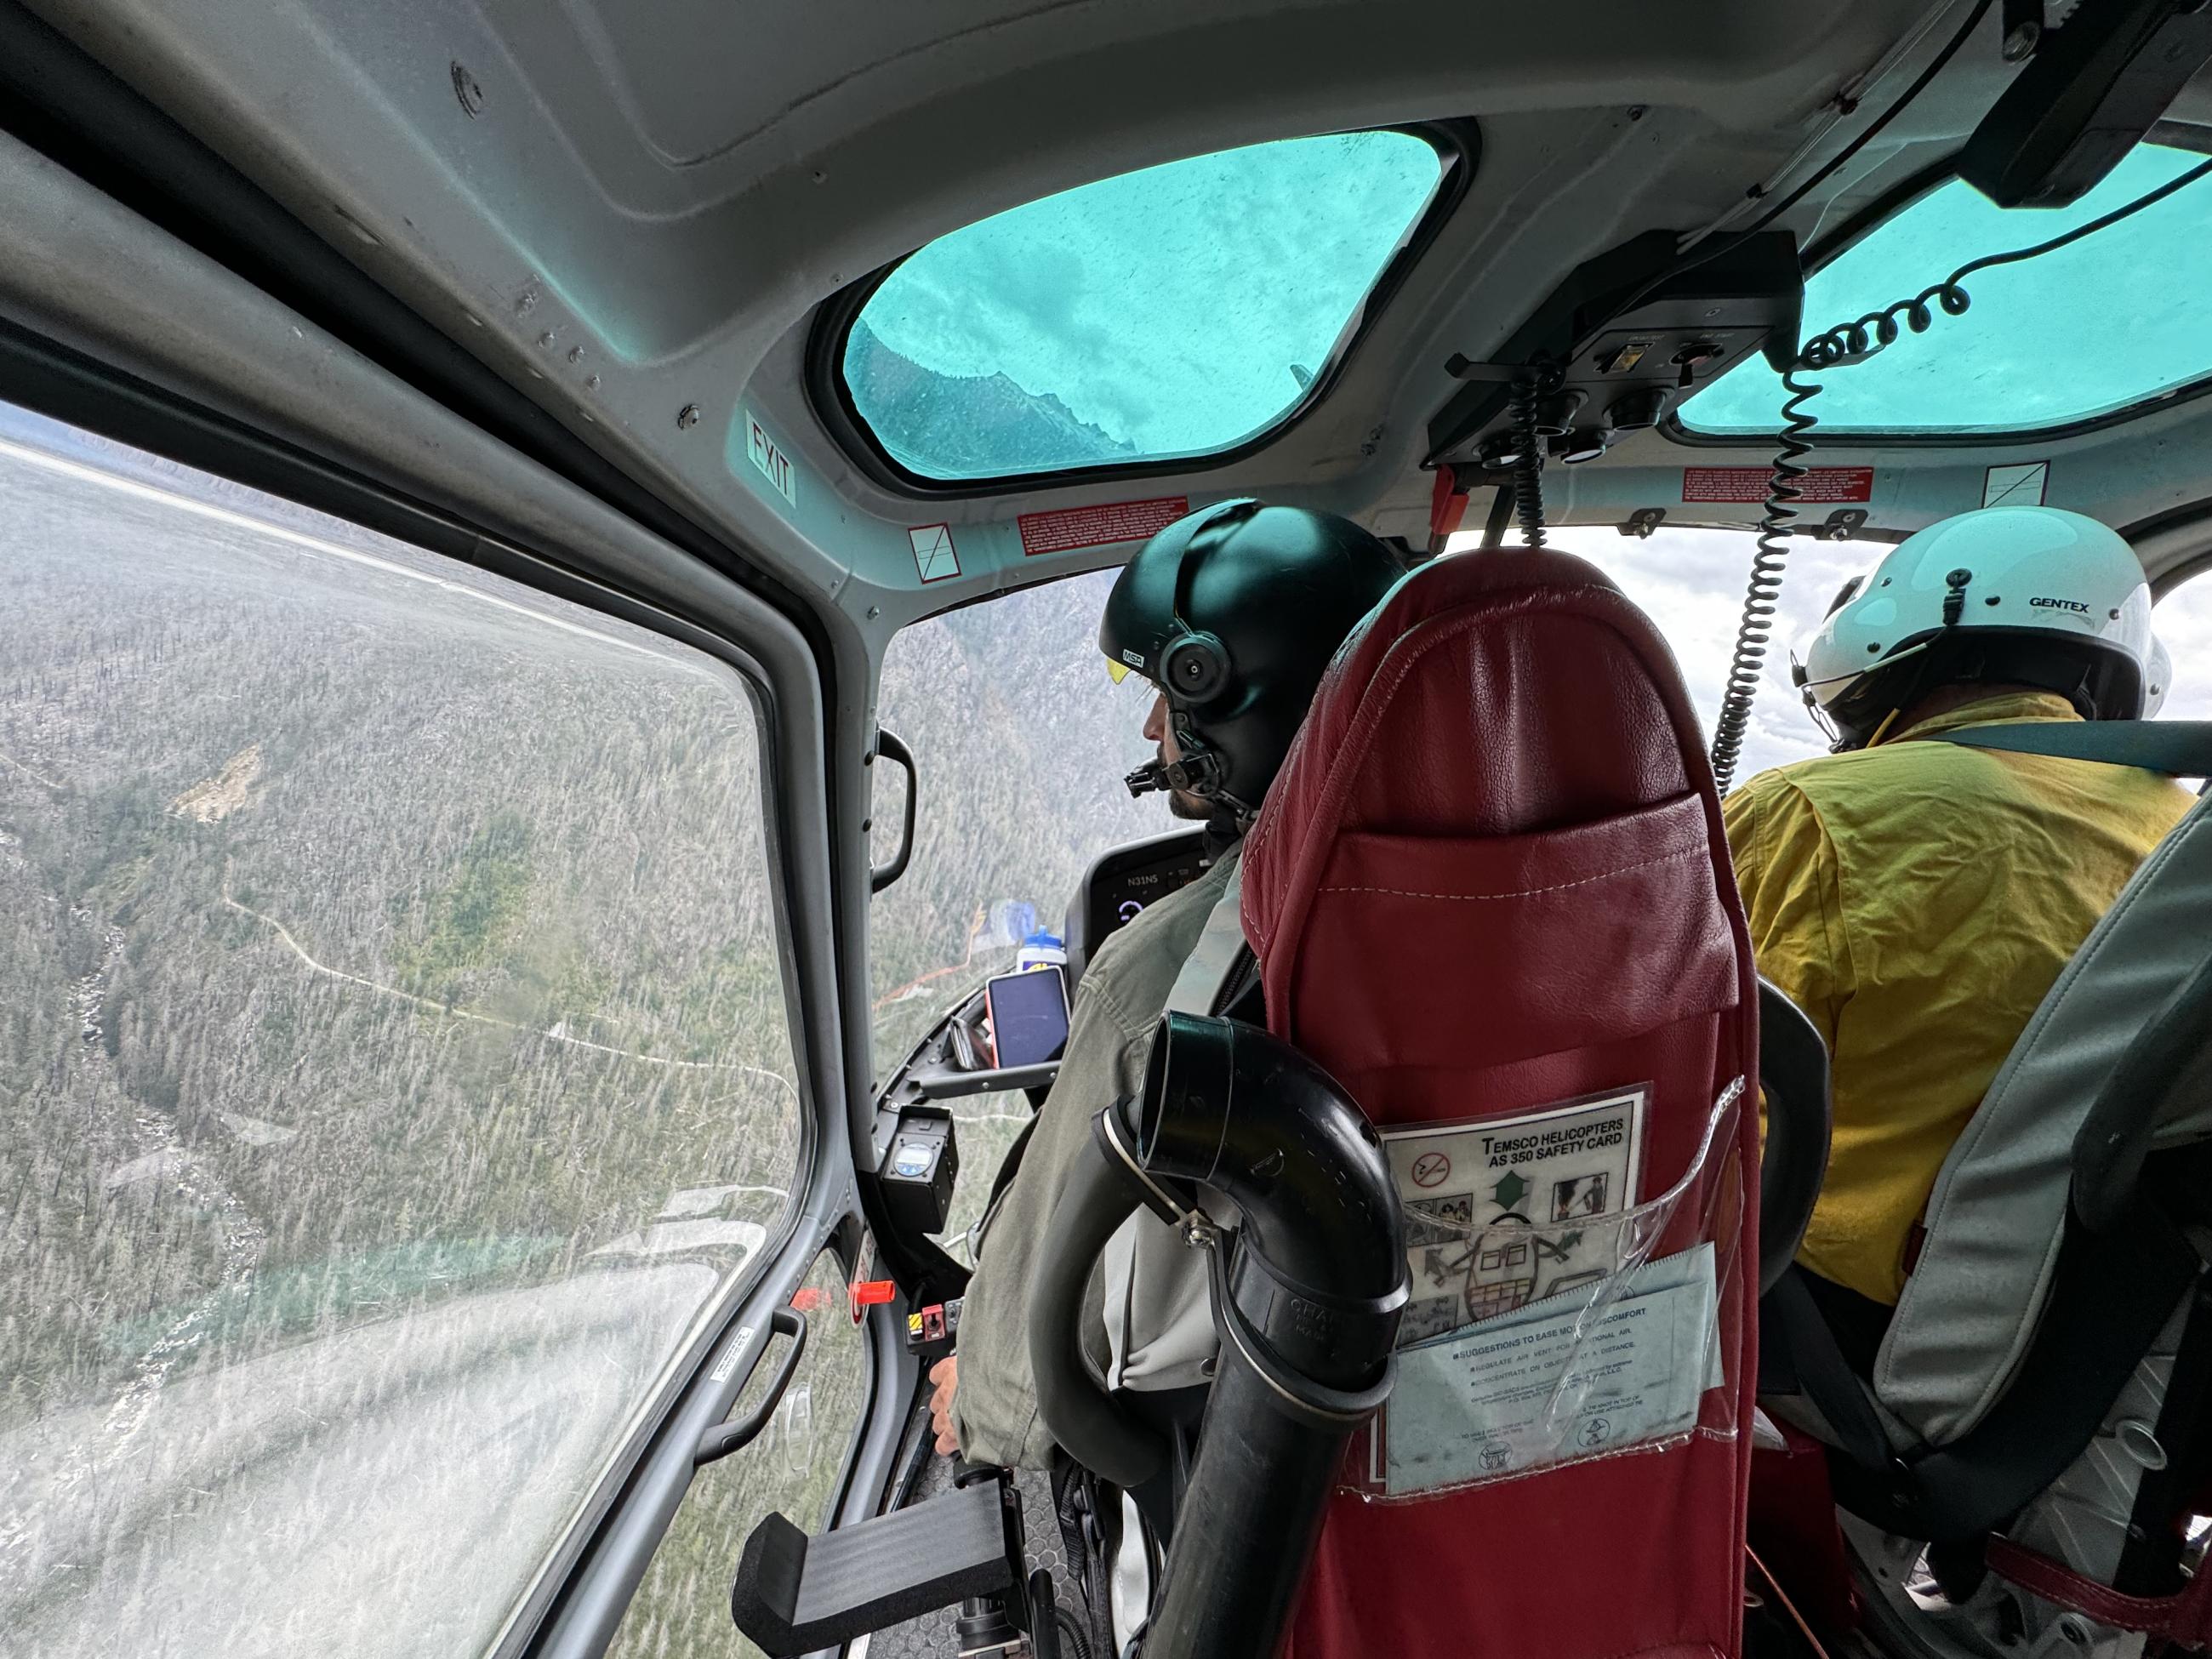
775, 464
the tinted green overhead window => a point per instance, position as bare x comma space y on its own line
2119, 317
1175, 311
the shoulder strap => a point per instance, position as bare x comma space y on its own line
1240, 997
1214, 962
2181, 749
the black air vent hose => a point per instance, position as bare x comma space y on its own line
1308, 1294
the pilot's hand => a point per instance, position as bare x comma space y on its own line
947, 1374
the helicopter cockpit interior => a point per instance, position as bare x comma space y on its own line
559, 797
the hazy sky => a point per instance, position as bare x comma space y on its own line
1690, 583
1167, 306
2115, 316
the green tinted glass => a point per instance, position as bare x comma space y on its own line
1175, 311
2116, 318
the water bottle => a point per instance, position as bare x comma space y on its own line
1041, 950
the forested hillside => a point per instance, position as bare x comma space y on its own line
377, 944
1022, 741
267, 812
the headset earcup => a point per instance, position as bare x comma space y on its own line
1193, 669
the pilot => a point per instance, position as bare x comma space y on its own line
1232, 612
1918, 899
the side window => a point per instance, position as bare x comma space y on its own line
1690, 583
2183, 621
394, 1062
682, 1607
1022, 739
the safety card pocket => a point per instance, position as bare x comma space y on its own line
1544, 1325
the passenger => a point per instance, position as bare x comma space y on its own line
1918, 899
1233, 612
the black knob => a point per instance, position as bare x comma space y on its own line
1639, 410
1586, 445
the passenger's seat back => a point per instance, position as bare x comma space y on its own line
2001, 1297
1489, 880
1996, 1218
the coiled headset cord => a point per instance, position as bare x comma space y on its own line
1842, 347
1528, 462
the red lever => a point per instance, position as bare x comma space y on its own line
872, 1293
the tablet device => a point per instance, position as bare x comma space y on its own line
1029, 1016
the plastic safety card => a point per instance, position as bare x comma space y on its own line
1503, 1212
1571, 1377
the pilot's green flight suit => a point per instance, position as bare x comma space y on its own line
1118, 1003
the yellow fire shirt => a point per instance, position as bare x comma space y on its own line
1917, 900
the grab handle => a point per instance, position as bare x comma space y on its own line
724, 1438
883, 875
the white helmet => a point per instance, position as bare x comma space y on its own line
2028, 595
2158, 677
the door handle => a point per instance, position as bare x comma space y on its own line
724, 1438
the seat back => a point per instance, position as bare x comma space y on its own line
1491, 895
2113, 1063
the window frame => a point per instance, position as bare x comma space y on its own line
1902, 199
54, 381
2189, 568
1458, 147
45, 379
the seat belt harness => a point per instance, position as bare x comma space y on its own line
2180, 748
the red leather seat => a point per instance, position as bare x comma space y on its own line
1492, 877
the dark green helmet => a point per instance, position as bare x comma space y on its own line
1234, 612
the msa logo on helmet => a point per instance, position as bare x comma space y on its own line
2075, 605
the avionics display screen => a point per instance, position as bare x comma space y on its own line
1117, 896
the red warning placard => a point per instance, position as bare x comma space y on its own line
1749, 484
1071, 527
